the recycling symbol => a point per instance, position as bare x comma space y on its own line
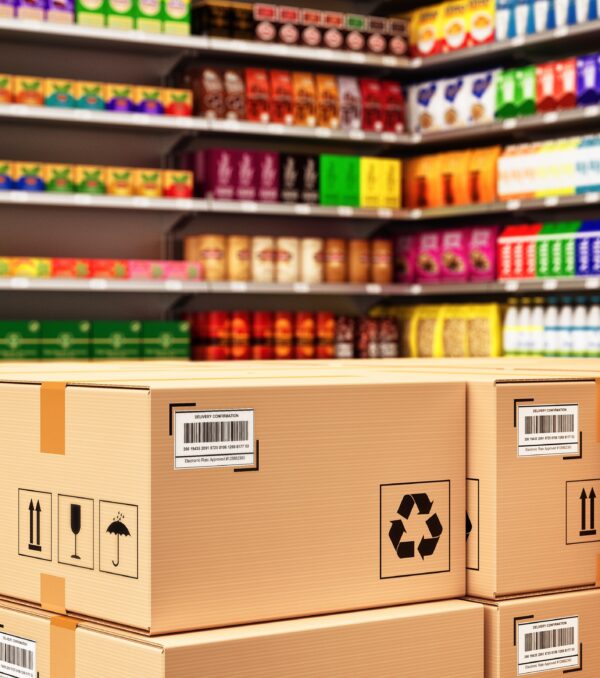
405, 548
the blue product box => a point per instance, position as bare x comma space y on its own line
506, 19
587, 249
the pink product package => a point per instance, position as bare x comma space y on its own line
428, 257
454, 266
268, 176
183, 270
146, 269
405, 261
482, 253
215, 171
247, 175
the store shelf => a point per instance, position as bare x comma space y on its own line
193, 44
144, 121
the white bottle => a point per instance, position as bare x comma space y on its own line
524, 325
593, 328
565, 328
536, 333
510, 333
551, 327
580, 333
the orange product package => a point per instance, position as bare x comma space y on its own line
257, 95
281, 97
482, 21
483, 173
454, 178
454, 25
423, 182
305, 99
425, 33
328, 101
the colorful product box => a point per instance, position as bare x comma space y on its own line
120, 181
568, 254
183, 270
178, 102
71, 268
90, 179
371, 172
454, 25
6, 87
28, 90
7, 9
148, 15
309, 190
90, 95
59, 93
20, 339
65, 340
91, 12
429, 257
116, 339
176, 16
6, 175
339, 180
372, 105
59, 178
120, 14
30, 267
405, 258
216, 173
147, 183
454, 265
290, 177
391, 183
60, 11
482, 253
393, 107
268, 176
247, 176
117, 269
482, 20
28, 176
178, 184
31, 10
146, 269
120, 98
588, 80
425, 31
165, 339
587, 249
149, 100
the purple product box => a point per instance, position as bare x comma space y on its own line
588, 80
268, 176
61, 11
428, 257
290, 177
34, 10
216, 173
246, 173
405, 258
482, 253
587, 249
309, 192
454, 266
7, 9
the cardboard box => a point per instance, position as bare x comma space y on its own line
360, 644
552, 635
65, 339
151, 521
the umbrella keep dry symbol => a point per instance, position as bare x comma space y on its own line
119, 538
119, 529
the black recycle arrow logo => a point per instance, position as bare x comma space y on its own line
428, 542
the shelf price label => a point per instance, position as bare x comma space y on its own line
373, 288
301, 288
301, 208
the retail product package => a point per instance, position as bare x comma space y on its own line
361, 644
216, 172
121, 537
550, 635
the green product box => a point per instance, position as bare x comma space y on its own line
165, 339
339, 180
20, 339
506, 102
120, 14
176, 17
116, 339
525, 90
149, 15
543, 250
66, 340
91, 12
568, 264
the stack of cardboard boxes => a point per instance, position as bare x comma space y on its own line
299, 519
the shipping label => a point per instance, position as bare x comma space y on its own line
548, 645
214, 439
17, 657
548, 430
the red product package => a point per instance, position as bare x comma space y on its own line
393, 107
546, 87
281, 97
505, 254
71, 268
262, 335
372, 105
240, 335
565, 83
110, 268
257, 95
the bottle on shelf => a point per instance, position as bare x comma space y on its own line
536, 333
551, 337
524, 327
593, 328
510, 329
565, 327
579, 332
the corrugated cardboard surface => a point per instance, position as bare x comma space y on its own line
306, 533
414, 641
503, 618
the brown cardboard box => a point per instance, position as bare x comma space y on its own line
385, 643
346, 490
553, 636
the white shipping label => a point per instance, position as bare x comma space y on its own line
549, 645
214, 438
546, 430
17, 657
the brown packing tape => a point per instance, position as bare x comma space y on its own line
62, 647
52, 417
52, 593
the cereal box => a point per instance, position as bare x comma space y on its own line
176, 17
328, 110
425, 31
28, 90
6, 86
178, 184
178, 101
147, 183
90, 95
91, 12
350, 103
454, 25
425, 101
120, 14
393, 107
90, 179
305, 99
257, 95
6, 175
481, 95
428, 263
120, 181
59, 178
149, 100
454, 266
481, 246
281, 97
59, 93
148, 15
455, 102
372, 104
482, 19
120, 98
29, 176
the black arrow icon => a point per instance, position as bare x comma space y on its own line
423, 503
406, 506
469, 527
404, 549
34, 544
585, 532
593, 510
427, 544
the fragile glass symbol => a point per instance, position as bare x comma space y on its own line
118, 528
75, 526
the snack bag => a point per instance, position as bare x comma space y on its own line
305, 100
481, 248
234, 89
454, 25
328, 102
454, 178
455, 112
210, 93
481, 97
484, 330
482, 174
393, 107
350, 103
372, 105
454, 265
423, 328
281, 97
451, 336
59, 93
425, 31
429, 257
481, 23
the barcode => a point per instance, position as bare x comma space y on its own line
16, 656
215, 432
543, 640
550, 423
